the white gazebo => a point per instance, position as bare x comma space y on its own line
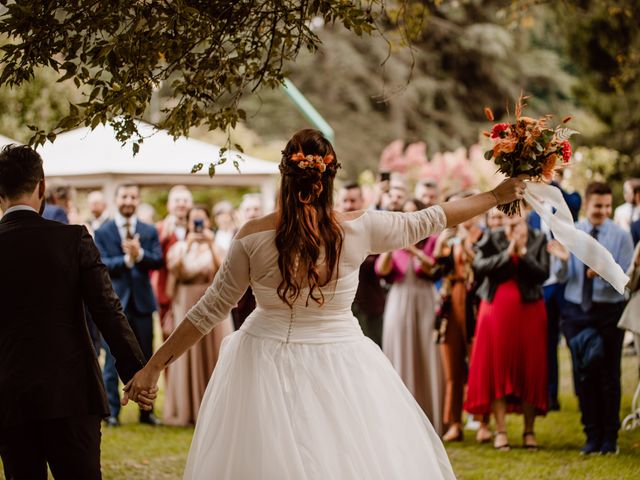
85, 158
6, 141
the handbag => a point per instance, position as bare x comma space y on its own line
443, 314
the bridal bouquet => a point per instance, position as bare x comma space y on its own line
528, 146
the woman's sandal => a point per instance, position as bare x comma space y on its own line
453, 436
503, 447
483, 438
529, 446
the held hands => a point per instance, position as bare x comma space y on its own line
142, 388
510, 190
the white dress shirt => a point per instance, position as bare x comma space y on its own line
121, 221
18, 208
624, 215
96, 223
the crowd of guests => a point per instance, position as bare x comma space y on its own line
470, 318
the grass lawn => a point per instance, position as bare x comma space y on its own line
136, 452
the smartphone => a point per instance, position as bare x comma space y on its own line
198, 226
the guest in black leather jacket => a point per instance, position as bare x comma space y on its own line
507, 371
494, 263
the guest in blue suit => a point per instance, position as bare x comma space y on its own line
57, 199
130, 249
554, 292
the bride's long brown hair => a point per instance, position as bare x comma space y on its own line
306, 223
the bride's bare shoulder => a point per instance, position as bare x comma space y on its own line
262, 224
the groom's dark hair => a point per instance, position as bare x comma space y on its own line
20, 170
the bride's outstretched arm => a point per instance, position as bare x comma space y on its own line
457, 211
223, 294
146, 379
387, 231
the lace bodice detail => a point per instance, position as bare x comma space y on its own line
253, 261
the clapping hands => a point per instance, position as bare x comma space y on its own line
558, 250
132, 247
517, 234
420, 255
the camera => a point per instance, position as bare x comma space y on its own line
198, 226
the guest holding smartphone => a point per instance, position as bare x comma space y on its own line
192, 264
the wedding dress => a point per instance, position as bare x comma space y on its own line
300, 393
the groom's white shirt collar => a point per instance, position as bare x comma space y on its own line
19, 208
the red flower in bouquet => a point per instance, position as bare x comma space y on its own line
498, 128
528, 146
567, 151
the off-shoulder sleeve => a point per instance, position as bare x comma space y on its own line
228, 286
392, 230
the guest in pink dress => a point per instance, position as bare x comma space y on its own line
408, 324
192, 264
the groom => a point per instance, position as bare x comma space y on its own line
51, 392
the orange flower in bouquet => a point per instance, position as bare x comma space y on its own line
528, 146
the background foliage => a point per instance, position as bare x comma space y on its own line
424, 74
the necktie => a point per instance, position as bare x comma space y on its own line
587, 283
127, 229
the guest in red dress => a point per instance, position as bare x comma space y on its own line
508, 371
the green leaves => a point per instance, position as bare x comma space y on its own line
563, 134
206, 55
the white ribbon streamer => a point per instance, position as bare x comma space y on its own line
581, 244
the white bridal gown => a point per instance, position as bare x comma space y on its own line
302, 394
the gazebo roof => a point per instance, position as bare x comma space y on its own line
90, 154
6, 141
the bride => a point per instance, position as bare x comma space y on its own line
299, 393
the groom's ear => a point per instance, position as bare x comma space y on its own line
41, 191
42, 187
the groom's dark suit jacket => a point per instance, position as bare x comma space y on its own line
48, 368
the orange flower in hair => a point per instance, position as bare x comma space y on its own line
312, 161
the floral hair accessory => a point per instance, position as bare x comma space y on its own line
312, 161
